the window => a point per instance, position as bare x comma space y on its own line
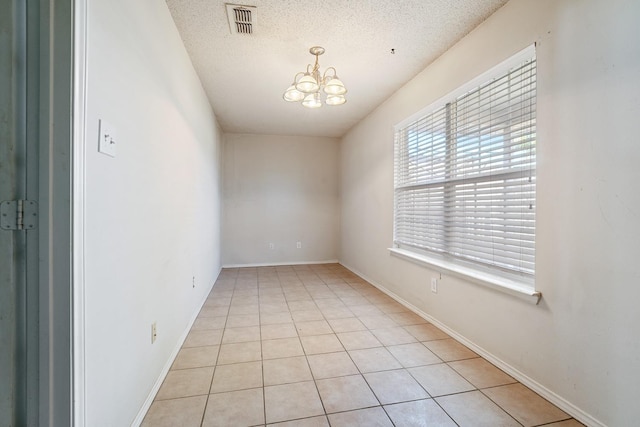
465, 175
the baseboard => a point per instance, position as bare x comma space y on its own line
165, 370
278, 264
543, 391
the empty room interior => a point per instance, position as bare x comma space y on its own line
250, 261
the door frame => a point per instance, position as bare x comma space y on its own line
61, 205
79, 93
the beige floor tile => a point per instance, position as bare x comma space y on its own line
213, 312
393, 336
308, 315
411, 355
217, 301
481, 373
343, 290
271, 332
392, 307
378, 322
241, 320
524, 405
370, 417
324, 303
275, 318
274, 307
357, 301
365, 310
336, 312
331, 365
292, 401
244, 309
317, 344
567, 423
285, 371
235, 408
239, 352
420, 413
303, 305
243, 334
206, 322
449, 350
374, 360
185, 412
407, 318
395, 386
358, 340
269, 290
305, 422
245, 297
345, 394
426, 332
238, 376
283, 347
314, 327
196, 357
377, 297
185, 383
440, 379
350, 324
324, 294
474, 409
203, 338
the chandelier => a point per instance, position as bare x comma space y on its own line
308, 86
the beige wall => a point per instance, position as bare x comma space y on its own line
152, 212
280, 190
582, 342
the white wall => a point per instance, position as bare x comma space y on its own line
153, 212
583, 341
280, 190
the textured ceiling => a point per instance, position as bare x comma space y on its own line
245, 75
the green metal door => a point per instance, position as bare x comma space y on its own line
18, 244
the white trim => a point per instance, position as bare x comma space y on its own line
279, 264
167, 367
499, 283
79, 87
526, 53
543, 391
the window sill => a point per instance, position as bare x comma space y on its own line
498, 283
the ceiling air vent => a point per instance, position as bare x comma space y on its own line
242, 19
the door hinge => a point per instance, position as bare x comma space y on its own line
18, 215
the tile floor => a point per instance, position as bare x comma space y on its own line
315, 345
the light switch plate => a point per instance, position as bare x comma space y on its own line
107, 143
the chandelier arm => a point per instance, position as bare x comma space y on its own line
295, 78
335, 72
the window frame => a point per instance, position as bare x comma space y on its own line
517, 283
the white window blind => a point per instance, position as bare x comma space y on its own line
465, 176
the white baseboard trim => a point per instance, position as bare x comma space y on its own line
278, 264
543, 391
165, 370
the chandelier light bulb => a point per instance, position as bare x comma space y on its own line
293, 95
307, 84
312, 101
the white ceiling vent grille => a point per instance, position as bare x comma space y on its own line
242, 19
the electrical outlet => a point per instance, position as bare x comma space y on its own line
299, 245
193, 282
154, 332
272, 246
434, 285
